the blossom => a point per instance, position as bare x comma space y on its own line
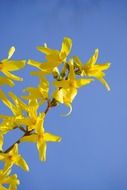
23, 114
12, 180
7, 66
91, 69
17, 107
39, 93
67, 88
9, 122
53, 57
13, 157
40, 137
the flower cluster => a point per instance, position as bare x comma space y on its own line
68, 74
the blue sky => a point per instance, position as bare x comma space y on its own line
93, 153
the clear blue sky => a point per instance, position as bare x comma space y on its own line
93, 152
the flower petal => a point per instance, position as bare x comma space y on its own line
93, 58
103, 81
13, 65
41, 146
82, 82
22, 163
6, 81
34, 63
12, 76
49, 137
31, 138
11, 52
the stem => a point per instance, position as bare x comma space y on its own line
18, 141
48, 107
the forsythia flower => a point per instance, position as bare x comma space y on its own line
8, 65
40, 137
13, 157
53, 57
18, 106
67, 89
11, 180
91, 69
39, 93
24, 114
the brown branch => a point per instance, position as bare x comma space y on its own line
48, 107
18, 141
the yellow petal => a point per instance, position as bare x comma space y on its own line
11, 180
13, 187
47, 50
11, 76
82, 82
39, 123
31, 138
22, 163
102, 67
94, 58
18, 102
8, 165
3, 188
34, 63
50, 64
78, 62
66, 47
70, 110
14, 150
6, 81
58, 95
39, 73
2, 156
103, 81
41, 146
63, 84
4, 99
71, 75
65, 96
13, 65
49, 137
11, 52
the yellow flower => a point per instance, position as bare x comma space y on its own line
13, 157
9, 122
24, 114
53, 57
67, 89
91, 69
29, 118
17, 107
11, 180
40, 137
7, 65
39, 93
